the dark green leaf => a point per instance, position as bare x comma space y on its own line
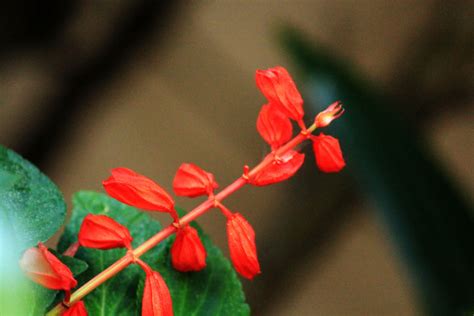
31, 207
214, 291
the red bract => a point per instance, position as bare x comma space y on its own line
44, 268
78, 309
243, 251
325, 117
188, 252
328, 153
279, 170
278, 87
134, 189
274, 127
156, 296
102, 232
192, 181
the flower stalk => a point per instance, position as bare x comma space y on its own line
198, 211
188, 253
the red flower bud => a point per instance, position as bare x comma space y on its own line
243, 252
278, 87
192, 181
44, 268
280, 169
325, 117
156, 296
274, 127
102, 232
134, 189
328, 153
77, 309
188, 252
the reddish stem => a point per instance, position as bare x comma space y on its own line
123, 262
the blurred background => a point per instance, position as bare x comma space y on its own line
86, 86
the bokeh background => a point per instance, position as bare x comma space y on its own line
86, 86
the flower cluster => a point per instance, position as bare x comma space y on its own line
188, 252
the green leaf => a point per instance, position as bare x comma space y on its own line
31, 207
214, 291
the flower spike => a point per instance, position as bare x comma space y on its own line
44, 268
192, 181
243, 251
188, 252
103, 232
278, 87
328, 153
78, 309
136, 190
280, 170
325, 117
274, 127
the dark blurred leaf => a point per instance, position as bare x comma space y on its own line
430, 221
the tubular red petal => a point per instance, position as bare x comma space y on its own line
328, 153
243, 251
44, 268
136, 190
332, 112
188, 252
280, 170
278, 87
192, 181
274, 127
102, 232
156, 296
77, 309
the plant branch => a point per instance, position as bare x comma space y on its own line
202, 208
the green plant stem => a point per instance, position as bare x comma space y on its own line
202, 208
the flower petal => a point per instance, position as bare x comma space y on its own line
77, 309
243, 251
103, 232
192, 181
188, 252
279, 170
44, 268
136, 190
274, 127
328, 153
278, 87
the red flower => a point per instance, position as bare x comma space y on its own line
328, 153
134, 189
102, 232
188, 252
44, 268
156, 296
243, 251
77, 309
325, 117
192, 181
278, 87
274, 127
280, 169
